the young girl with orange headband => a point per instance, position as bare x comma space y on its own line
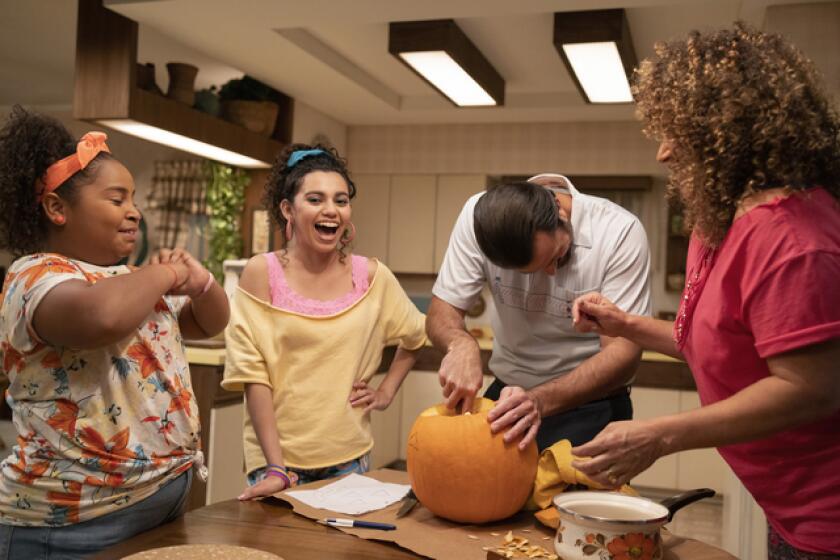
100, 388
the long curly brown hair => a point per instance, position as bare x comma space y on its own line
744, 111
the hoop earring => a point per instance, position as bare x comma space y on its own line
349, 233
289, 230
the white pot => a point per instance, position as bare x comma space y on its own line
608, 526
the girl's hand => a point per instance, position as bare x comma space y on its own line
268, 486
197, 277
371, 399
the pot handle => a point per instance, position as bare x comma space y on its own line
675, 503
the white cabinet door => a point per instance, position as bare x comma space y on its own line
421, 389
452, 192
700, 468
385, 427
411, 236
226, 463
371, 215
650, 403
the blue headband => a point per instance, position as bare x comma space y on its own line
298, 155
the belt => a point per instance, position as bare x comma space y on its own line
620, 392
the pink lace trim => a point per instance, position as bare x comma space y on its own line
283, 297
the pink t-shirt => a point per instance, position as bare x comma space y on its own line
284, 297
771, 287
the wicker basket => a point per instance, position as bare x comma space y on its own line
256, 116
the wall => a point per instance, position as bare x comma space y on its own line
310, 125
607, 148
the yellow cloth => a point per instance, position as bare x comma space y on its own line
310, 364
554, 475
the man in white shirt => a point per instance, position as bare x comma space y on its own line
539, 245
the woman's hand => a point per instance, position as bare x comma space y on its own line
517, 412
197, 275
268, 486
371, 399
621, 451
595, 313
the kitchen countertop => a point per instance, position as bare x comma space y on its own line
655, 370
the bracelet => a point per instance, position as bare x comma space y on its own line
280, 474
206, 287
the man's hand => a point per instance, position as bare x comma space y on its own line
517, 412
460, 374
595, 313
621, 451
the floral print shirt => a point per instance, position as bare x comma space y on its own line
98, 429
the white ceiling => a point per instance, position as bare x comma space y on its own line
332, 54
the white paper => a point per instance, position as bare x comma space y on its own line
354, 494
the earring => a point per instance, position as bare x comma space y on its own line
349, 233
59, 220
289, 230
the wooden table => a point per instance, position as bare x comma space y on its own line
269, 526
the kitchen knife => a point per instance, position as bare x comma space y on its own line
408, 504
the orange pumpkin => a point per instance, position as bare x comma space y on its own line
460, 471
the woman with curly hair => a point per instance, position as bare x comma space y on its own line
100, 390
307, 330
751, 144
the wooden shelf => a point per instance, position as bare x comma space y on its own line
106, 88
162, 112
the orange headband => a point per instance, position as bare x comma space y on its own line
88, 148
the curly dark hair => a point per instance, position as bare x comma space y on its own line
744, 111
29, 144
284, 182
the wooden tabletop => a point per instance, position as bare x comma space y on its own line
269, 526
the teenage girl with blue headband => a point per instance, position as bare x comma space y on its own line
99, 388
308, 326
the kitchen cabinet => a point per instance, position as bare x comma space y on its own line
406, 220
220, 413
452, 192
411, 235
385, 427
699, 468
371, 215
650, 403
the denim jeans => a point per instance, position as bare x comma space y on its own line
89, 537
580, 424
358, 465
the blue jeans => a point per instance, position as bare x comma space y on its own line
89, 537
358, 465
580, 424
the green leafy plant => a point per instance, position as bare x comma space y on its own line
225, 201
246, 88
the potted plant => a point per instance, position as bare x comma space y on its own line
249, 103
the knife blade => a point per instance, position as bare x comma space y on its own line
408, 504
